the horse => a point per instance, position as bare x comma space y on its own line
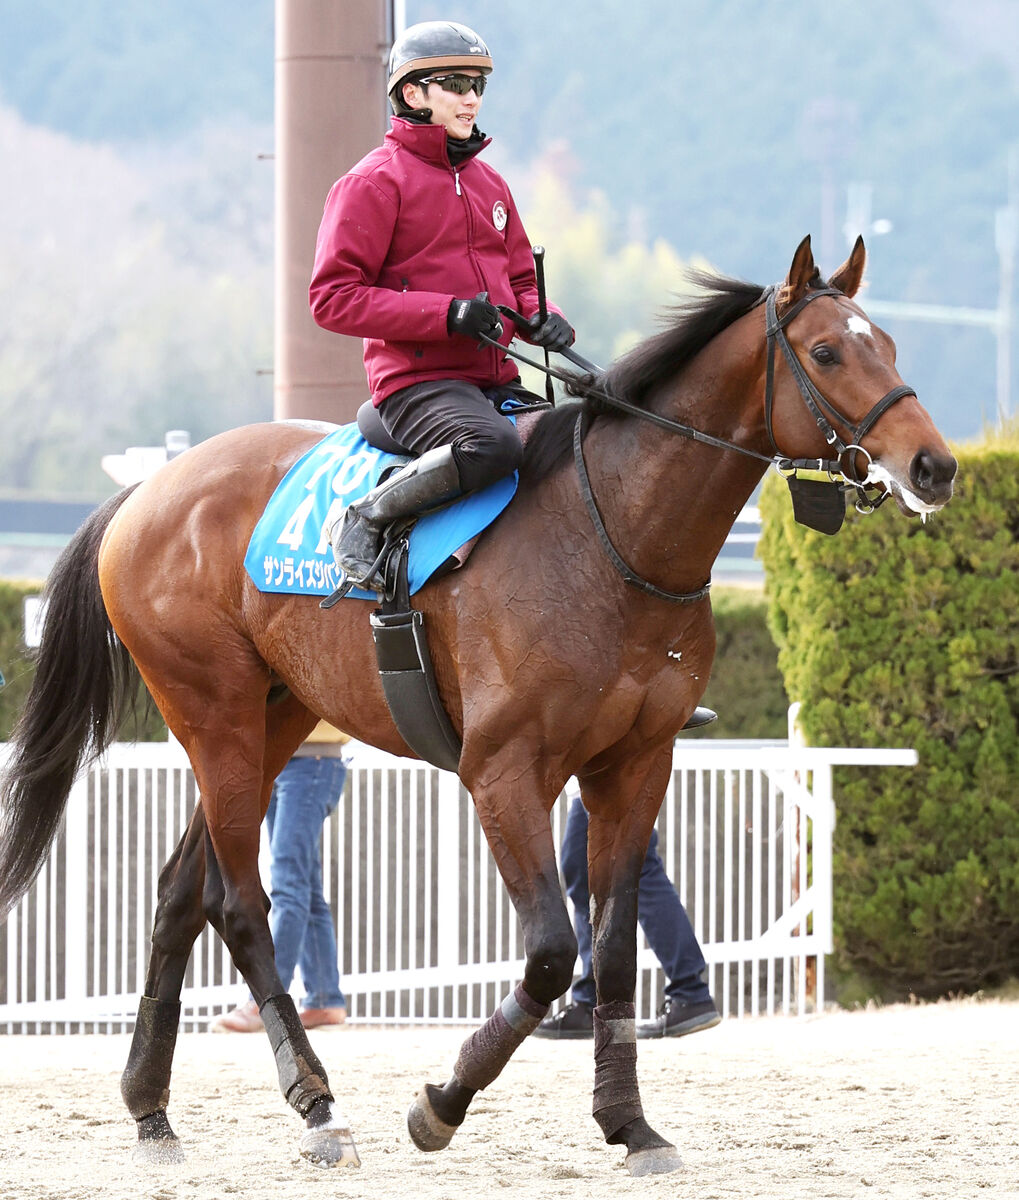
576, 641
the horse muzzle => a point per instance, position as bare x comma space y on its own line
927, 487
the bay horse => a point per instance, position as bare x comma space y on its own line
576, 641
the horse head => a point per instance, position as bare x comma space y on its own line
841, 396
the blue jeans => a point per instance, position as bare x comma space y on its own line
659, 911
306, 792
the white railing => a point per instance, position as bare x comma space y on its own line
425, 928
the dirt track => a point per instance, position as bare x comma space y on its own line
900, 1102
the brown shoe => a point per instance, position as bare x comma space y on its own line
312, 1018
243, 1019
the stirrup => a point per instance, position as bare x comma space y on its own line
350, 582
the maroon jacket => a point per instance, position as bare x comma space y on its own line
404, 234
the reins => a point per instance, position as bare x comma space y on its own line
839, 477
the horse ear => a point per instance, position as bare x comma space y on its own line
800, 274
850, 275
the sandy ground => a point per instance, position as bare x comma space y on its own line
900, 1102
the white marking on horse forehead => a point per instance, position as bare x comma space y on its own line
857, 324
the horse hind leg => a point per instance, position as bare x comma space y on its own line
145, 1083
328, 1140
532, 879
235, 799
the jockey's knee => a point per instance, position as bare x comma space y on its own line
484, 456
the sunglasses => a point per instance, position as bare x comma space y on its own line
461, 84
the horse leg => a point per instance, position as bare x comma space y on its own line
235, 777
190, 891
520, 837
622, 808
145, 1084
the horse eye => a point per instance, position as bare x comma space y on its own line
824, 355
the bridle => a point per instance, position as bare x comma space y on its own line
842, 475
816, 401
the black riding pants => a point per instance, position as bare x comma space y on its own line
450, 412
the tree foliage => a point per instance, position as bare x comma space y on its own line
896, 633
137, 298
135, 256
612, 286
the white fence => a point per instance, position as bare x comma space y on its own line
425, 928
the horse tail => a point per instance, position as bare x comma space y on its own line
85, 683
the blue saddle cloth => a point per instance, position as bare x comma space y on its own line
290, 550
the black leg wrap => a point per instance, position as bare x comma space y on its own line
303, 1079
616, 1095
145, 1084
489, 1048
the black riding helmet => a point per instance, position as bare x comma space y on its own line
433, 46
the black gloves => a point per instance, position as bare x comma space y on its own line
555, 334
471, 318
474, 317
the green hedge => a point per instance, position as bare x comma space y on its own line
745, 688
15, 661
896, 633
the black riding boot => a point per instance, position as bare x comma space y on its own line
423, 484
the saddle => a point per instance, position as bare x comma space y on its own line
398, 630
401, 643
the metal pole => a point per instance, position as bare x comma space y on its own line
1006, 238
330, 92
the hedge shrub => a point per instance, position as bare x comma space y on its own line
745, 688
896, 633
16, 663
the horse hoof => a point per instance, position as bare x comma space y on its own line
158, 1152
157, 1143
327, 1147
427, 1131
654, 1160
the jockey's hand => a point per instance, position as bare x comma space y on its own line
474, 317
555, 333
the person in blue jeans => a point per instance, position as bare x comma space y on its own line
306, 792
688, 1004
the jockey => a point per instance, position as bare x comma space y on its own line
418, 244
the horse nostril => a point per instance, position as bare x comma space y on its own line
932, 474
922, 471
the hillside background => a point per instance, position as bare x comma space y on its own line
136, 215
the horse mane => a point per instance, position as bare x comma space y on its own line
637, 375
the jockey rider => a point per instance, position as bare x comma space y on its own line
418, 244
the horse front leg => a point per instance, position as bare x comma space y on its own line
520, 837
621, 820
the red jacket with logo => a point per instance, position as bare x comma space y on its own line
402, 236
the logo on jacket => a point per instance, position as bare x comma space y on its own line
499, 215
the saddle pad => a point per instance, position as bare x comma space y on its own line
289, 549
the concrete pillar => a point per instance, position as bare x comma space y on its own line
330, 110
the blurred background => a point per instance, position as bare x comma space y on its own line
136, 217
